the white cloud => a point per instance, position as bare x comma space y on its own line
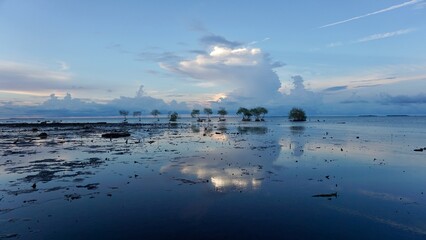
412, 2
30, 79
378, 75
227, 56
373, 37
299, 96
256, 42
69, 106
245, 71
379, 36
244, 76
31, 71
63, 66
334, 44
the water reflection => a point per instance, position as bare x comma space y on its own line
225, 179
297, 144
195, 128
297, 130
222, 127
172, 178
229, 161
252, 130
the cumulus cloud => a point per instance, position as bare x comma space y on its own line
69, 103
142, 101
68, 106
247, 71
55, 106
244, 75
300, 96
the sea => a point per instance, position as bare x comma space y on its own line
358, 177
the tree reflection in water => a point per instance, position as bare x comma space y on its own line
252, 130
238, 159
296, 143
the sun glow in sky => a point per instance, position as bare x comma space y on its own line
329, 57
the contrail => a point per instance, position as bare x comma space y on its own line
374, 13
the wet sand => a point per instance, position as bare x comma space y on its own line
324, 179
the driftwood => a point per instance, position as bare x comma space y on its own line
327, 195
116, 135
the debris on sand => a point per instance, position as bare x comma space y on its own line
191, 182
73, 196
9, 235
43, 176
90, 186
42, 135
326, 195
116, 135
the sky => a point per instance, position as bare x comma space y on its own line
93, 58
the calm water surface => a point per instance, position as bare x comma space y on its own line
228, 180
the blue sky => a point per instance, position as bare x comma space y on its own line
330, 57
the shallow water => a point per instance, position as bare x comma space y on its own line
214, 180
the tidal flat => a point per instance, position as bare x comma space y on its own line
328, 178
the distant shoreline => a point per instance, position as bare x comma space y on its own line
187, 116
85, 124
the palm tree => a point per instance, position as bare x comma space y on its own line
137, 114
297, 115
124, 113
208, 111
155, 113
246, 113
222, 112
196, 114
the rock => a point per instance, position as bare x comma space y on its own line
42, 135
116, 135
